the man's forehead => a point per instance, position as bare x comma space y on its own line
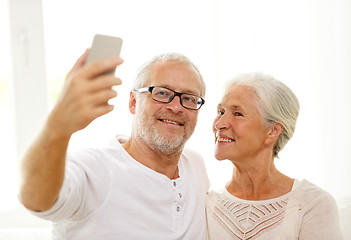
169, 65
176, 76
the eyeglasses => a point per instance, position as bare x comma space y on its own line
165, 95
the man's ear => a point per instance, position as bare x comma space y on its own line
132, 102
275, 130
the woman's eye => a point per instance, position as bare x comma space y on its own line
238, 114
219, 112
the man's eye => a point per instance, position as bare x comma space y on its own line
189, 99
238, 114
162, 93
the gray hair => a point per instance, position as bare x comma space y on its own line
144, 71
276, 103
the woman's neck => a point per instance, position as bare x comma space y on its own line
259, 181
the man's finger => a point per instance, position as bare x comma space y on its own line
100, 67
102, 82
79, 63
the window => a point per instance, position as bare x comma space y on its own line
8, 163
310, 53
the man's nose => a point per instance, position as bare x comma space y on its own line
175, 104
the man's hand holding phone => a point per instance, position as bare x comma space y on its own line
88, 87
84, 98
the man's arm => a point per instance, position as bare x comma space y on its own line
84, 97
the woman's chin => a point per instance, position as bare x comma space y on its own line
219, 157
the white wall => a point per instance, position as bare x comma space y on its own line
304, 43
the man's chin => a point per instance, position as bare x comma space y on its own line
168, 150
169, 144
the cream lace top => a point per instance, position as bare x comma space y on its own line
307, 212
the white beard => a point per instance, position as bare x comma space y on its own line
147, 131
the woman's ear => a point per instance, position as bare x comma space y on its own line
275, 130
132, 102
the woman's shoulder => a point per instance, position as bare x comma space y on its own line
213, 195
312, 190
310, 194
216, 192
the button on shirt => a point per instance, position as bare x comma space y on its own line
177, 188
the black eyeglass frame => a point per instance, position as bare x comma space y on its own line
150, 89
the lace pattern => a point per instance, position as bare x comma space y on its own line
249, 221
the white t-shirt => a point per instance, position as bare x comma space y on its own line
109, 195
305, 213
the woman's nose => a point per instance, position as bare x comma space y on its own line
220, 123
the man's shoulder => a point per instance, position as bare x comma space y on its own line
193, 160
95, 157
86, 154
111, 146
193, 164
192, 155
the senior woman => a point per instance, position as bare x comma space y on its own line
255, 119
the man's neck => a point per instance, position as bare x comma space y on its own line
153, 159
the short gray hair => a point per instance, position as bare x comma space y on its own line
276, 103
143, 73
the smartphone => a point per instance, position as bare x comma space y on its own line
104, 46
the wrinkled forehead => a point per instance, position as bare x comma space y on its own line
240, 96
238, 90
